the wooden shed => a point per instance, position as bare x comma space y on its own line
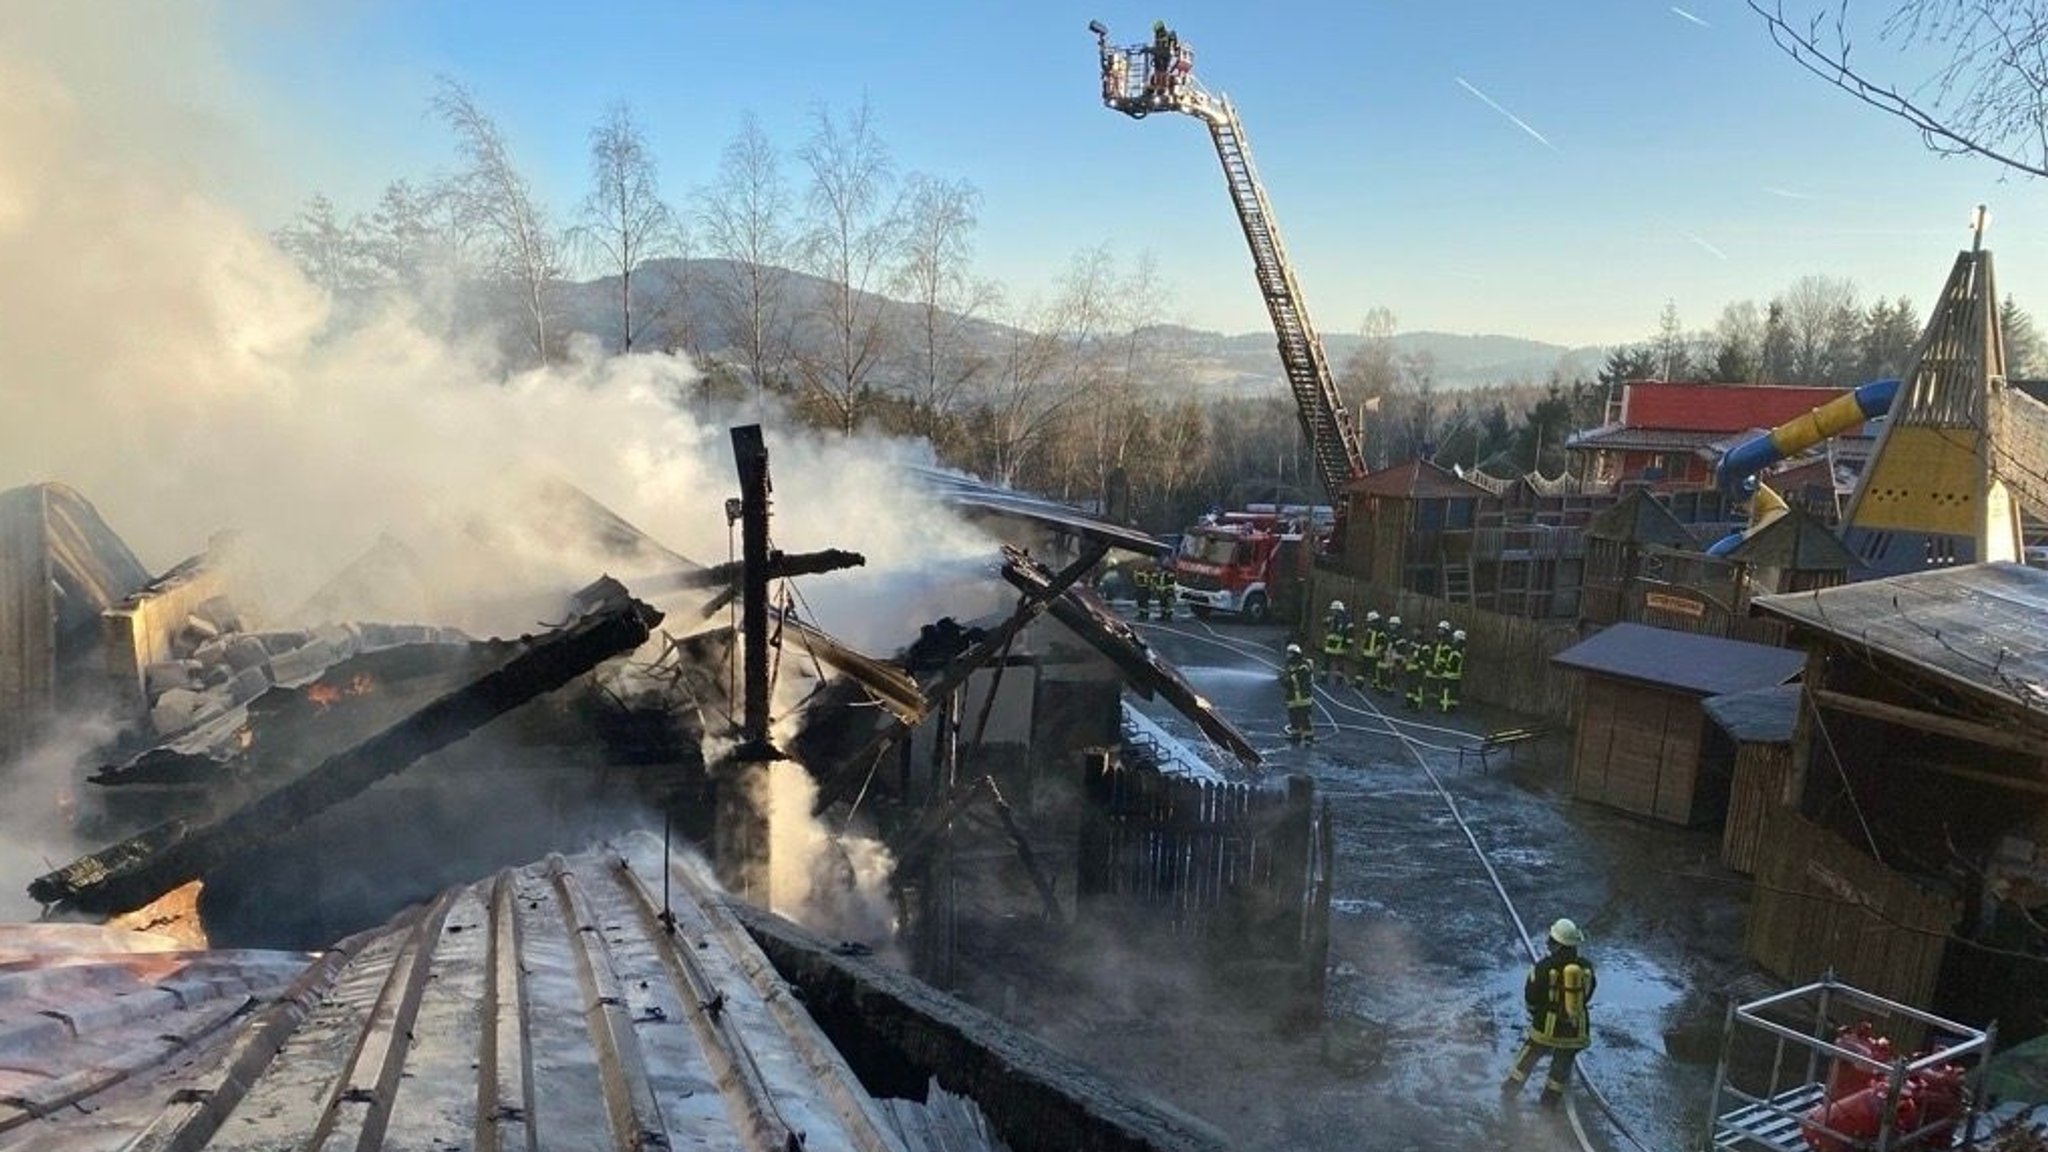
1642, 743
1760, 723
1921, 765
1615, 541
1407, 521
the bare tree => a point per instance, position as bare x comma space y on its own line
332, 252
1991, 97
1823, 324
745, 215
938, 232
850, 244
495, 204
625, 222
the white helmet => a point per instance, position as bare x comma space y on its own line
1443, 625
1336, 606
1372, 617
1294, 649
1393, 621
1458, 636
1567, 933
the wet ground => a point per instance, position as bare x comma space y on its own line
1423, 1010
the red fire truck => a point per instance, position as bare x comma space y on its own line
1252, 563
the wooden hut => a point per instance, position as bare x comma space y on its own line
1407, 523
1615, 541
1796, 552
1641, 742
1759, 724
1920, 773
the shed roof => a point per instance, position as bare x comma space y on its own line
1639, 518
1980, 627
1417, 479
1758, 716
1796, 540
1681, 661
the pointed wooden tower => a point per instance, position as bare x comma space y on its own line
1935, 492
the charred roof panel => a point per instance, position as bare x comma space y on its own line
1979, 626
1681, 661
966, 492
550, 1007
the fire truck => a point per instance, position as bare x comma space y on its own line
1252, 563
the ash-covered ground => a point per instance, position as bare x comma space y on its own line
1423, 1010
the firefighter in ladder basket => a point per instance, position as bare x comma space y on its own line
1298, 678
1558, 994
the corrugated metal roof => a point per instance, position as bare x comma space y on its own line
1718, 407
1758, 716
549, 1007
1681, 661
1982, 627
1417, 480
964, 491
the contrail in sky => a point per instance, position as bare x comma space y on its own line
1684, 15
1711, 250
1787, 193
1518, 121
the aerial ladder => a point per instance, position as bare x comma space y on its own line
1141, 79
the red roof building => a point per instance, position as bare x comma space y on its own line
1666, 431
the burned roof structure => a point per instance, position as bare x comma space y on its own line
604, 1000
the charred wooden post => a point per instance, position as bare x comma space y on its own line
750, 453
144, 867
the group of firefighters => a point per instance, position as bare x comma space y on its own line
1155, 584
1426, 671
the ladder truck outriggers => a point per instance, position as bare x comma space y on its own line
1158, 76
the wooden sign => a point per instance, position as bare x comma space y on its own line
1678, 605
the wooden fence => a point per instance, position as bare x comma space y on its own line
1507, 661
1238, 865
1823, 904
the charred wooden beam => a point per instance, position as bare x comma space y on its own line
846, 778
750, 453
144, 867
1047, 893
780, 566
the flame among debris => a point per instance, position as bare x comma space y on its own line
174, 914
324, 694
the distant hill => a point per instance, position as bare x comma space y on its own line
1215, 363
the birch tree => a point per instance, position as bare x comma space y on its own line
624, 221
497, 206
746, 220
936, 279
850, 244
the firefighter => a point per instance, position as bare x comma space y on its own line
1115, 74
1450, 671
1558, 992
1163, 44
1370, 642
1168, 587
1417, 656
1433, 658
1390, 657
1141, 583
1337, 630
1298, 677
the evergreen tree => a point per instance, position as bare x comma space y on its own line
1890, 330
2022, 341
1775, 356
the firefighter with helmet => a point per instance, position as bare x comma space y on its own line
1432, 664
1390, 656
1417, 657
1167, 585
1558, 994
1337, 641
1141, 587
1298, 678
1370, 643
1450, 671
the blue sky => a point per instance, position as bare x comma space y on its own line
1685, 160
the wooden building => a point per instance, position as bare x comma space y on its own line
1408, 523
1919, 793
1760, 724
1667, 431
1642, 741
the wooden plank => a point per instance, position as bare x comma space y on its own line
1970, 730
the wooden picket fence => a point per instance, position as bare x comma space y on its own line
1240, 866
